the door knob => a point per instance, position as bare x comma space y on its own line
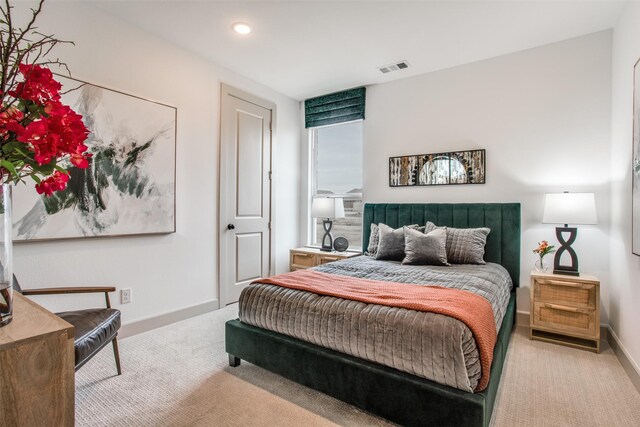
230, 227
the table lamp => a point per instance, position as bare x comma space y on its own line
327, 208
568, 208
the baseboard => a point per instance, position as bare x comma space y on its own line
604, 334
628, 364
522, 318
144, 325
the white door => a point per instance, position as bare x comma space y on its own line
245, 191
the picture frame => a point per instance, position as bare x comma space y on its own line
447, 168
130, 185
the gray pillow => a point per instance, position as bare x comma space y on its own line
464, 245
425, 249
391, 245
374, 238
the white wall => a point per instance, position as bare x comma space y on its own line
174, 271
543, 115
624, 316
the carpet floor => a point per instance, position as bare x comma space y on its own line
179, 376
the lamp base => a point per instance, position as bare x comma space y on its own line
327, 239
565, 245
566, 271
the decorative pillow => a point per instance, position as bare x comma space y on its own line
464, 245
425, 249
391, 245
374, 238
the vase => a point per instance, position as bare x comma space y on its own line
6, 256
541, 265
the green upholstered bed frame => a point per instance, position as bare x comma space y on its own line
503, 243
398, 396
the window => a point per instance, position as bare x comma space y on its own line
336, 171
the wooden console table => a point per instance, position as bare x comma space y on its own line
37, 382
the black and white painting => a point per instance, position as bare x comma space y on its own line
456, 167
402, 171
129, 188
635, 192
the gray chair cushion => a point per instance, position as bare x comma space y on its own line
425, 248
464, 245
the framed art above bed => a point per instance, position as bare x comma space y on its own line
404, 397
454, 167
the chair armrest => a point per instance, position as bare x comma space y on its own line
68, 290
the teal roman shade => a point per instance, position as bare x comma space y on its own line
334, 108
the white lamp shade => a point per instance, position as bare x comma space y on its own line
569, 208
327, 207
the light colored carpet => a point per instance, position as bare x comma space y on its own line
179, 376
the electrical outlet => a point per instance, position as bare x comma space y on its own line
125, 296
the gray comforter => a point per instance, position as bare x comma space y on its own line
433, 346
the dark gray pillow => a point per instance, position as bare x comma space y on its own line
464, 245
425, 249
391, 245
374, 237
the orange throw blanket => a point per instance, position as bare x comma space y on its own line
471, 309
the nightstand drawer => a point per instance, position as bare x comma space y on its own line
323, 259
557, 317
303, 259
312, 257
564, 292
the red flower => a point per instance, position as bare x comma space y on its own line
68, 124
81, 161
56, 182
51, 131
38, 86
10, 122
61, 133
43, 144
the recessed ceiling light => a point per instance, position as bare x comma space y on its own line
241, 28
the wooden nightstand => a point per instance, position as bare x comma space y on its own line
566, 310
310, 257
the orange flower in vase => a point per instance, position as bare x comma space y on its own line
543, 249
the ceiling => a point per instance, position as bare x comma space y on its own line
310, 48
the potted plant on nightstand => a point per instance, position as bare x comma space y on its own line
543, 249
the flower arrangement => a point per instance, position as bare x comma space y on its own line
543, 249
40, 137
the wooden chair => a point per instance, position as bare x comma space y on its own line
93, 328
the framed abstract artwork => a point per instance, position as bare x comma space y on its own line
454, 167
128, 189
635, 171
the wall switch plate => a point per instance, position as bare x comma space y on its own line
125, 296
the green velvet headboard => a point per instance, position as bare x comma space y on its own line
503, 243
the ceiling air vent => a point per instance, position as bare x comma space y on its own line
396, 66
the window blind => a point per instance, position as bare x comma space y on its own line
334, 108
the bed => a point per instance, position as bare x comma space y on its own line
400, 395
